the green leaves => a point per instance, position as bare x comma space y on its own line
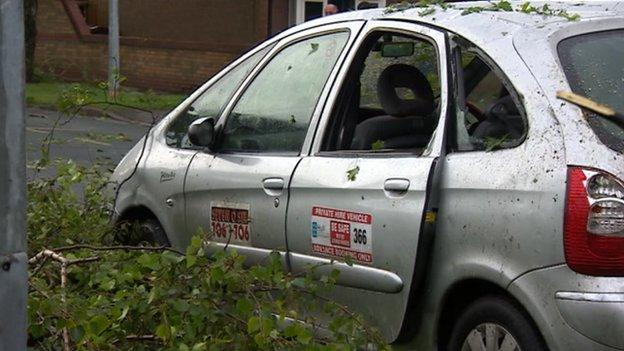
410, 4
352, 173
546, 10
151, 300
98, 324
493, 143
504, 5
74, 98
378, 145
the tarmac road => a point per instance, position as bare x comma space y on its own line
89, 141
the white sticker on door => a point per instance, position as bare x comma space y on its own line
342, 233
230, 222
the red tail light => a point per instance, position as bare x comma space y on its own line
594, 223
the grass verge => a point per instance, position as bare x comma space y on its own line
47, 95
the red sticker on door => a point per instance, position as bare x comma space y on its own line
342, 233
230, 222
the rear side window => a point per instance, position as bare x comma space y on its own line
594, 66
489, 116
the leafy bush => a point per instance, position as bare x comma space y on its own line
84, 296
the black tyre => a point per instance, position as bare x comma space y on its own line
494, 323
145, 232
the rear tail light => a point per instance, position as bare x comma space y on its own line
594, 223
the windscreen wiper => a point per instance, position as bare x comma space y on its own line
593, 106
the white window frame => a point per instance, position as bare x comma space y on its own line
300, 6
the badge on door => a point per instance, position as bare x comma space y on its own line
342, 233
230, 222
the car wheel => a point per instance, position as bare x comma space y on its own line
145, 232
494, 323
153, 233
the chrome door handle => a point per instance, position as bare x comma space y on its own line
273, 184
397, 185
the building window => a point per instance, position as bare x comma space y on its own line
310, 9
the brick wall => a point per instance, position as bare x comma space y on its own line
73, 54
163, 47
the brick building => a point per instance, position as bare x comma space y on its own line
171, 45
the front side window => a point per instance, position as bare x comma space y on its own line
594, 66
212, 101
488, 115
390, 98
274, 112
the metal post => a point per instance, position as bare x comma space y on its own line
113, 48
13, 260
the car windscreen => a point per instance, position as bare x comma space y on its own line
594, 66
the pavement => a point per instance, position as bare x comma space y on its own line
88, 140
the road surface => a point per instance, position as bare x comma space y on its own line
89, 141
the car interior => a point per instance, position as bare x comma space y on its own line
390, 97
491, 116
390, 101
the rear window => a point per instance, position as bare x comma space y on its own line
594, 66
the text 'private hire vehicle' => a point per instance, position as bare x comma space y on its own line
480, 211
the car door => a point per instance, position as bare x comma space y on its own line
237, 192
171, 152
369, 205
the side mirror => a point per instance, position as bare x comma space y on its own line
202, 132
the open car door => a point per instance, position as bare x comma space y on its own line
372, 203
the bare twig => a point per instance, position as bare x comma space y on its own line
40, 266
64, 301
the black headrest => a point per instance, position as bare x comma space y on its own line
409, 77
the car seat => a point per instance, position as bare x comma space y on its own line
408, 123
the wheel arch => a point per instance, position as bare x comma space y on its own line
135, 213
460, 295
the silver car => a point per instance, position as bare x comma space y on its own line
427, 146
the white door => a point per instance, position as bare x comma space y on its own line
238, 190
364, 190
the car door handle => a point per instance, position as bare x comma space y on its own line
274, 184
397, 185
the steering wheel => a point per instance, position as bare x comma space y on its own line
476, 111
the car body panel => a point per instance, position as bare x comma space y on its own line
237, 180
560, 320
584, 147
161, 190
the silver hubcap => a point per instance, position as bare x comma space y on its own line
490, 337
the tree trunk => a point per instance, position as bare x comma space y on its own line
30, 33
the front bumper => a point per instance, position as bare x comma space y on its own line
574, 311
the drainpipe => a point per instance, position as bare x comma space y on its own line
13, 260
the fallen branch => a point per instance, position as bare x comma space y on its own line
117, 248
